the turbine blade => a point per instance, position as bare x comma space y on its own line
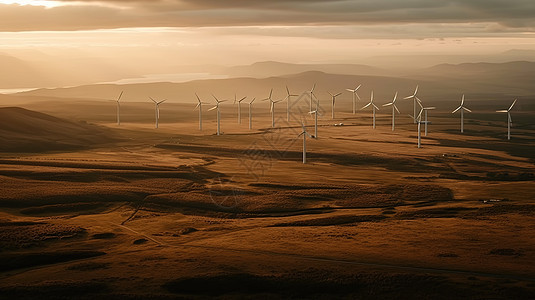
337, 94
242, 99
365, 106
197, 106
462, 100
350, 90
395, 97
152, 99
198, 99
120, 95
287, 91
512, 105
467, 109
388, 104
375, 106
456, 109
503, 111
396, 109
409, 97
212, 108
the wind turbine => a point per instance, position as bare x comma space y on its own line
462, 108
333, 99
312, 95
288, 98
217, 102
374, 107
354, 92
419, 121
304, 133
316, 113
157, 109
415, 99
239, 107
119, 108
426, 109
509, 120
199, 106
250, 113
394, 109
272, 109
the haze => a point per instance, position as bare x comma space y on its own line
114, 40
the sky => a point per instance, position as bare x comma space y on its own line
197, 32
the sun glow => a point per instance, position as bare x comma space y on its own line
45, 3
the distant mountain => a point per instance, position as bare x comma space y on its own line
273, 68
227, 88
23, 130
441, 82
511, 77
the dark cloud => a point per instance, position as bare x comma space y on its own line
514, 14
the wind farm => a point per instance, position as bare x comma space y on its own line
188, 187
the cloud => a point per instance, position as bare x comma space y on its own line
511, 15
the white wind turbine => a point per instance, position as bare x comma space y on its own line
272, 109
199, 106
316, 113
251, 113
288, 100
394, 109
354, 92
419, 121
462, 108
217, 102
304, 133
415, 99
119, 108
509, 120
374, 107
239, 107
312, 96
426, 109
333, 100
157, 109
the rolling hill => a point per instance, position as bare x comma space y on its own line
23, 130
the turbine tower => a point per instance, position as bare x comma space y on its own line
354, 92
509, 120
217, 102
199, 106
426, 109
462, 109
157, 109
415, 99
304, 133
316, 113
239, 107
333, 100
251, 114
394, 109
288, 98
119, 109
374, 107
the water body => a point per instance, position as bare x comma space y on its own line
175, 77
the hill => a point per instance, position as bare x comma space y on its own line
23, 130
274, 68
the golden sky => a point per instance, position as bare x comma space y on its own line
245, 31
